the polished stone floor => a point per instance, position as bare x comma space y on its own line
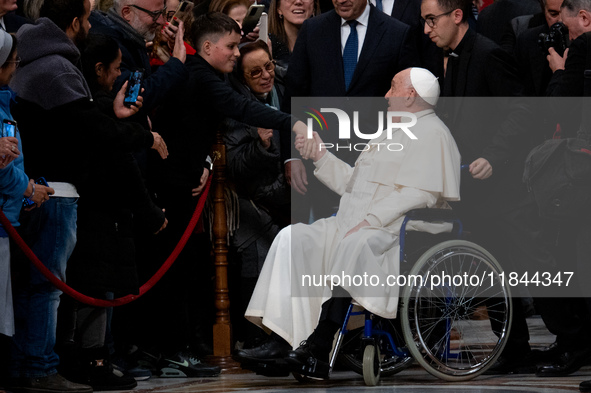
411, 380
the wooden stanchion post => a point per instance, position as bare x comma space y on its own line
222, 329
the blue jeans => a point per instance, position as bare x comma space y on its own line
50, 231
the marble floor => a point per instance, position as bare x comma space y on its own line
411, 380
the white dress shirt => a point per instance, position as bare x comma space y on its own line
361, 30
387, 6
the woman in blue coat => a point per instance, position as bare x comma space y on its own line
14, 183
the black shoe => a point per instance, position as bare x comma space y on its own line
512, 365
51, 384
546, 355
103, 377
585, 386
568, 363
184, 364
309, 360
268, 352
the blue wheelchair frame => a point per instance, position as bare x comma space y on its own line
370, 333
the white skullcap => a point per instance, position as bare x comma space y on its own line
425, 84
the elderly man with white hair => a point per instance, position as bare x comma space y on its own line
362, 239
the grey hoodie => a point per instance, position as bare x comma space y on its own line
47, 75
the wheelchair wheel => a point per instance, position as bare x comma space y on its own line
456, 331
371, 365
351, 354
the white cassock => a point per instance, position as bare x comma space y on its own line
382, 186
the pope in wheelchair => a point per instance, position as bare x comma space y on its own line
362, 240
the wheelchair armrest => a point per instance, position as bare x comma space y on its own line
431, 215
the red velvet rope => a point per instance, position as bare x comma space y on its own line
122, 300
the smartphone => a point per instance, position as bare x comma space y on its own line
264, 28
8, 128
134, 85
26, 201
252, 18
180, 12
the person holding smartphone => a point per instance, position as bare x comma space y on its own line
14, 182
104, 260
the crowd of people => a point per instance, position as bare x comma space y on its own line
112, 186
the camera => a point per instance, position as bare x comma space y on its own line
557, 38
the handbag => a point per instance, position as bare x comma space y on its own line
558, 172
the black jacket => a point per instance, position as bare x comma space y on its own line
104, 256
570, 82
160, 85
494, 19
493, 128
189, 122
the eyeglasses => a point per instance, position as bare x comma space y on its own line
169, 15
258, 72
154, 14
16, 62
431, 21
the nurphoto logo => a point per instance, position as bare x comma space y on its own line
406, 120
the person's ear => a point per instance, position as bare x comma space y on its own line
585, 19
75, 25
74, 28
410, 98
206, 47
457, 16
99, 69
126, 13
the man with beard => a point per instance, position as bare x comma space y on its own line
133, 23
61, 126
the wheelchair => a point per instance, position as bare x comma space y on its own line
455, 332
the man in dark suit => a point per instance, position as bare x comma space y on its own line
569, 318
493, 147
317, 68
409, 12
534, 70
532, 63
493, 19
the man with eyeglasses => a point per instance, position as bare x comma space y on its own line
133, 24
493, 137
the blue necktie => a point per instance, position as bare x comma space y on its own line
379, 5
350, 53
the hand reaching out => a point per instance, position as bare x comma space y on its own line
295, 173
159, 145
202, 181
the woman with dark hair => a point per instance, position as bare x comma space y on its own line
101, 62
285, 20
103, 260
255, 167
